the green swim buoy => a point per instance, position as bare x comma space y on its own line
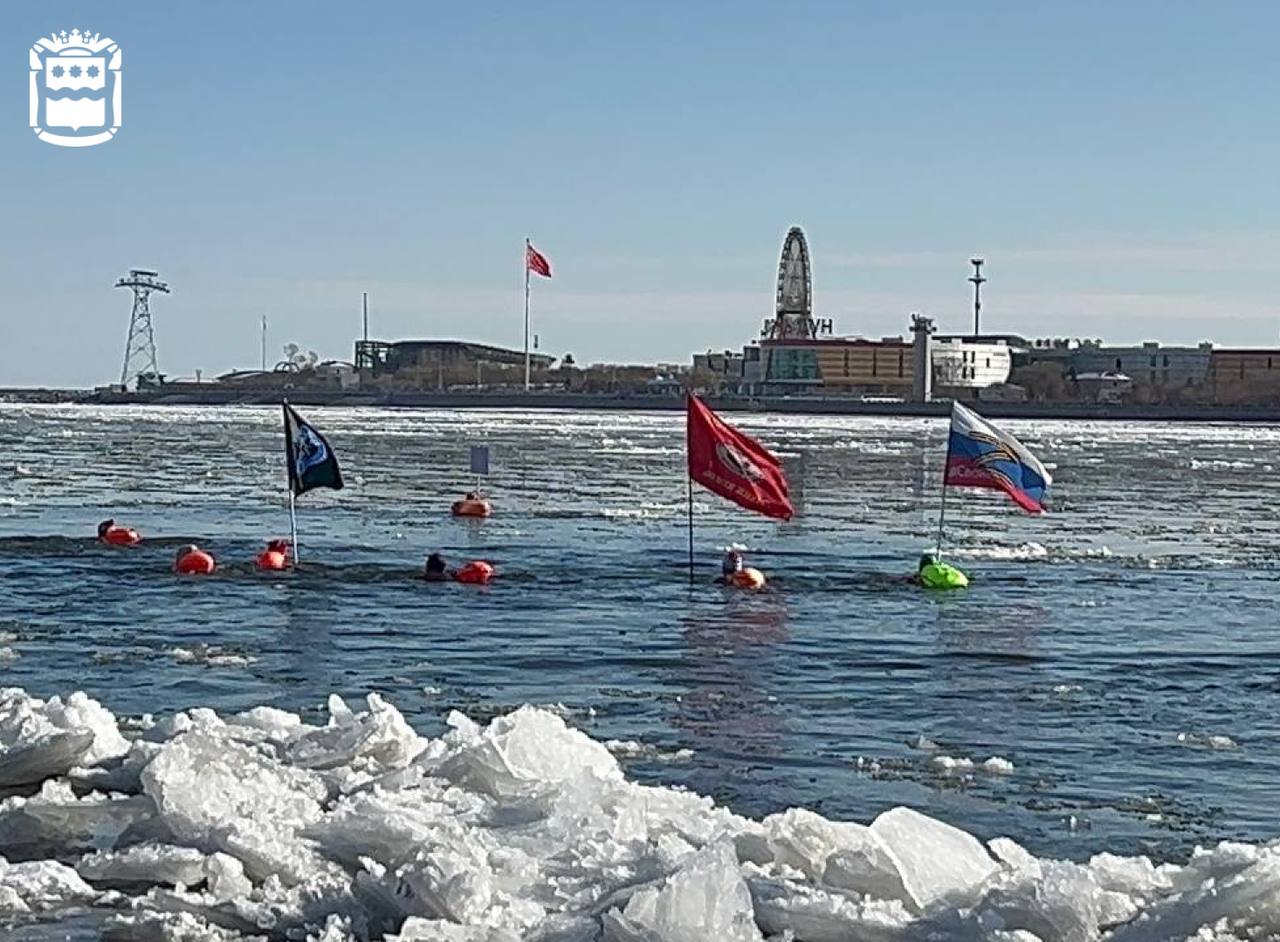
935, 574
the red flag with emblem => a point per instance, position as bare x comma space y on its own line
536, 262
730, 464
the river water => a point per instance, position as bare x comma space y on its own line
1120, 654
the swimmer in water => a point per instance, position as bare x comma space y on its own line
730, 566
476, 572
436, 570
933, 573
109, 533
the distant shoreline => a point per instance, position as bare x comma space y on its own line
783, 405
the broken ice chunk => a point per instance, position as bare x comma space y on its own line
705, 899
935, 860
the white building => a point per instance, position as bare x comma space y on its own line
961, 363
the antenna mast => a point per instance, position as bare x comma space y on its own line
264, 343
140, 347
977, 281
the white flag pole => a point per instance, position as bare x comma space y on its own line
526, 314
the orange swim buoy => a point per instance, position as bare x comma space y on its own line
275, 557
113, 535
471, 507
748, 578
193, 561
476, 572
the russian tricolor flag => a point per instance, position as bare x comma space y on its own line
981, 455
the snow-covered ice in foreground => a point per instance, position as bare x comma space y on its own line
260, 826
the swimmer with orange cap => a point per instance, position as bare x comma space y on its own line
275, 558
476, 572
734, 573
113, 535
193, 561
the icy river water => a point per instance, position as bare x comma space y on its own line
1118, 659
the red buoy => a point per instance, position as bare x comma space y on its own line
113, 535
472, 505
476, 572
275, 557
193, 561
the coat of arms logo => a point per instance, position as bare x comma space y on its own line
75, 89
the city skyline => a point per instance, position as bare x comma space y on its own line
1104, 162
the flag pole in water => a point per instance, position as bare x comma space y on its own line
293, 529
942, 515
288, 483
688, 441
942, 510
733, 465
689, 481
311, 463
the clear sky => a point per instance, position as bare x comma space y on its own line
1116, 163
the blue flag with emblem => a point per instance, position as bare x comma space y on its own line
311, 461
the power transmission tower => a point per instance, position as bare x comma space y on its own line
140, 348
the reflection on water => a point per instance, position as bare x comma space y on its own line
726, 705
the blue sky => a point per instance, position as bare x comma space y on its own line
1115, 163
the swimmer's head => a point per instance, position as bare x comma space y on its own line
435, 563
927, 559
472, 495
732, 562
277, 546
105, 526
184, 550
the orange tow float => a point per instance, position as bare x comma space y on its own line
193, 561
747, 578
275, 558
476, 572
113, 535
472, 505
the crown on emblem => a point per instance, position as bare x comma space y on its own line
74, 39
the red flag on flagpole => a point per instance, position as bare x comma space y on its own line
536, 262
725, 461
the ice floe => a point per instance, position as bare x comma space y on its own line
259, 826
211, 655
996, 765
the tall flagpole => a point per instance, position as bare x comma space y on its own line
942, 513
942, 510
526, 315
689, 478
288, 483
688, 471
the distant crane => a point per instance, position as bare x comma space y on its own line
140, 348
